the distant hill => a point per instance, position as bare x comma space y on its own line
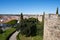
9, 17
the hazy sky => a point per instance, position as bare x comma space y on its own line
29, 6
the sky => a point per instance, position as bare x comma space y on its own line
29, 6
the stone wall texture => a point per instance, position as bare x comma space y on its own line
51, 27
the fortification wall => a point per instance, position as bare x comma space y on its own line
39, 17
51, 27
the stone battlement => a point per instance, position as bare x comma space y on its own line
51, 27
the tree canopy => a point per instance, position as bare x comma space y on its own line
28, 27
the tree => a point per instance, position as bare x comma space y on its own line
20, 25
29, 27
21, 16
21, 21
1, 31
43, 18
57, 11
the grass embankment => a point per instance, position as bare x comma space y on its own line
6, 33
39, 35
12, 22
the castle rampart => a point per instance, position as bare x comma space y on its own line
51, 27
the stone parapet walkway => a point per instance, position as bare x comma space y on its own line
13, 37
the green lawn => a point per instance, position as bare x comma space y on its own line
12, 22
37, 37
6, 33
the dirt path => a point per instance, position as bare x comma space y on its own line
13, 37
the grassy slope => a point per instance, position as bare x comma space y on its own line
6, 33
12, 22
30, 38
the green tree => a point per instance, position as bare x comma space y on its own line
21, 21
21, 16
57, 11
20, 25
29, 27
1, 31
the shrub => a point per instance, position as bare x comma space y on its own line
1, 31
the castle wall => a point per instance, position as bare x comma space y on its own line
51, 27
39, 17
